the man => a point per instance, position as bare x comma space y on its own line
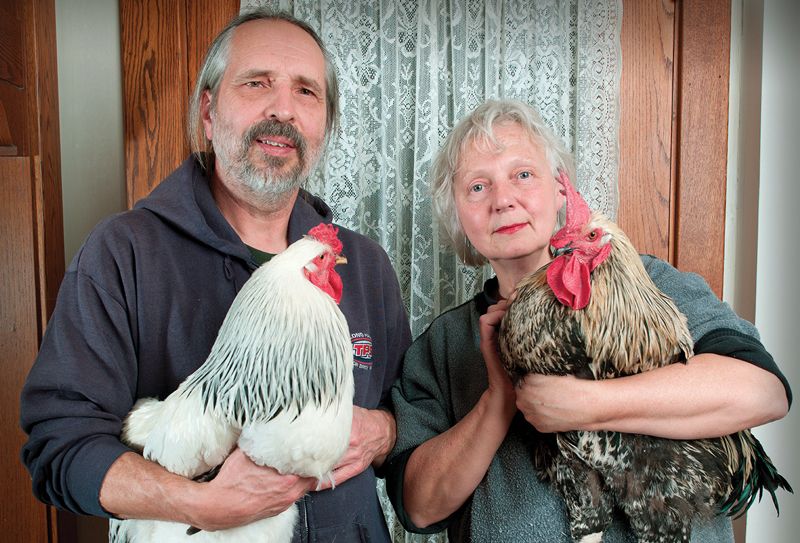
141, 303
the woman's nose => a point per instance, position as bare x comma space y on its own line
502, 196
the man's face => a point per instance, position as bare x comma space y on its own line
267, 121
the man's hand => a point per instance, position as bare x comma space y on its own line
244, 492
372, 437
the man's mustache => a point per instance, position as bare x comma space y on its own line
274, 128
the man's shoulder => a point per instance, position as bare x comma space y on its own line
116, 238
351, 238
125, 225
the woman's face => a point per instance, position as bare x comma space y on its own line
507, 199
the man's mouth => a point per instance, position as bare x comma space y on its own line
274, 143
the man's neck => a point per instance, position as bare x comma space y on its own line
265, 229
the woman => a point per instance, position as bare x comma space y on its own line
462, 458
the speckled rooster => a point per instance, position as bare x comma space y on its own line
278, 383
594, 312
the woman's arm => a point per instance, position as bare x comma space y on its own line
443, 472
710, 396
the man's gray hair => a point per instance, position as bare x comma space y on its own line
478, 127
216, 61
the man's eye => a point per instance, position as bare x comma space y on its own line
253, 84
307, 92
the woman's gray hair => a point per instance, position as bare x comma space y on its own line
216, 61
478, 126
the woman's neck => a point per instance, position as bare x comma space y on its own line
510, 272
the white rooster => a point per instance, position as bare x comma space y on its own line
286, 404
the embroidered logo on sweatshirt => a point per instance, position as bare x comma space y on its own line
362, 350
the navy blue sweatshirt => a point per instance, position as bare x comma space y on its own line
138, 311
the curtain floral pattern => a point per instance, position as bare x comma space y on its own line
409, 70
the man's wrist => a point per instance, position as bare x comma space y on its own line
387, 423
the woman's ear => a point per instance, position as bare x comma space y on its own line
561, 195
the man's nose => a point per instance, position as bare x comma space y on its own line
281, 105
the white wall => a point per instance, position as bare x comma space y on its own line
90, 104
777, 299
92, 161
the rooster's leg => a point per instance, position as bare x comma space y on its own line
667, 528
588, 508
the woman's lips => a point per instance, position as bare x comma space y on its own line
510, 228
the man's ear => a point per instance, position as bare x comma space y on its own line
206, 114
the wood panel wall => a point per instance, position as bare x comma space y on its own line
22, 518
29, 104
701, 162
31, 237
673, 131
163, 44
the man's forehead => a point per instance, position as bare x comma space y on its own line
269, 44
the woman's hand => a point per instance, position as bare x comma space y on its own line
500, 389
555, 403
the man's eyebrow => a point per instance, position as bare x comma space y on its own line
301, 79
254, 74
310, 83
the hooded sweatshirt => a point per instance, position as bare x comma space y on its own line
138, 311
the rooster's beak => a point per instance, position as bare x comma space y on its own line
567, 249
341, 260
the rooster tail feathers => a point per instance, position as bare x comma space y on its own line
763, 475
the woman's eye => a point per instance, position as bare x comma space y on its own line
477, 187
524, 175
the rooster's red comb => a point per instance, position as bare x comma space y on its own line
327, 234
578, 212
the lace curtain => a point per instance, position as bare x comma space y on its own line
409, 70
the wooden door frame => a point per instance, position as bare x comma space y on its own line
674, 131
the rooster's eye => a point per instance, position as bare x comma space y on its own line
592, 235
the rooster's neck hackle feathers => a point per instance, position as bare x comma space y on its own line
244, 375
626, 308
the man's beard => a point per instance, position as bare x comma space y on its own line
265, 185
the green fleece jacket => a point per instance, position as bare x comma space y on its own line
444, 375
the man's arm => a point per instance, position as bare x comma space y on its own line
241, 493
372, 437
